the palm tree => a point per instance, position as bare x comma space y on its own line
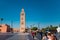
59, 25
1, 20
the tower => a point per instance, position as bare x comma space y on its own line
22, 21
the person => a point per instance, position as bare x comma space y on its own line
49, 36
45, 37
40, 33
33, 34
53, 37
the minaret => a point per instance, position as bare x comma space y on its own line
22, 21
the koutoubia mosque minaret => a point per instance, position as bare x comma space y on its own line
22, 21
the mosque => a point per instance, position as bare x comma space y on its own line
6, 28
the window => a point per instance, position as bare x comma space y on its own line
22, 23
22, 28
22, 14
21, 18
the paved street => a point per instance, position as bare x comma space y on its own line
21, 36
4, 36
16, 36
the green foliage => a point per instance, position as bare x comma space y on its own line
34, 28
43, 30
51, 27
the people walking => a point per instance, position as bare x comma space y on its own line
49, 36
53, 37
33, 34
45, 37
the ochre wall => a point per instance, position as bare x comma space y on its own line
3, 28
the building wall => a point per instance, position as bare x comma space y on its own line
3, 28
6, 28
22, 21
15, 30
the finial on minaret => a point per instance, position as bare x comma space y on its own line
22, 9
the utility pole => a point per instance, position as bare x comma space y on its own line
12, 24
31, 26
11, 30
38, 25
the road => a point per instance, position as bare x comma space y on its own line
16, 36
4, 36
21, 36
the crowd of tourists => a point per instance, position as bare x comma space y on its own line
45, 36
49, 36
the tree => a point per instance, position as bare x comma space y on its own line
50, 28
1, 20
53, 27
34, 28
43, 30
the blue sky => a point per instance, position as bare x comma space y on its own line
45, 12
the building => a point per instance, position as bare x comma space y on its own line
4, 28
58, 29
22, 21
15, 30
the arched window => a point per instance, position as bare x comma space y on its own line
22, 23
22, 14
21, 18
